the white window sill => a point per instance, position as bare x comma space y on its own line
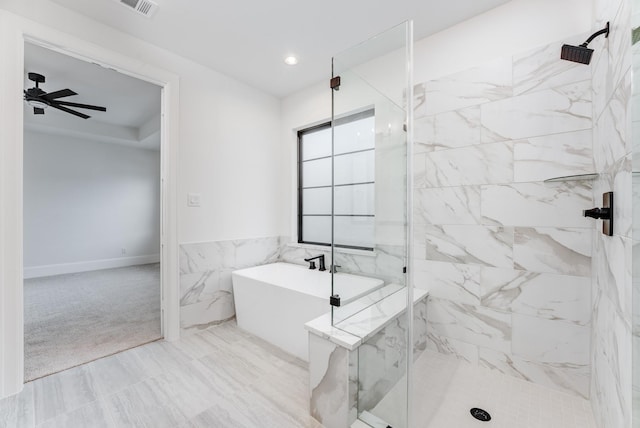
337, 249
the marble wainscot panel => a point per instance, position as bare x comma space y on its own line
333, 377
385, 262
350, 373
206, 296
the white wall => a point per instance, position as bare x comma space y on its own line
513, 28
85, 201
229, 133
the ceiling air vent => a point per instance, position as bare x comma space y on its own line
143, 7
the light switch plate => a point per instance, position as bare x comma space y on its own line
193, 200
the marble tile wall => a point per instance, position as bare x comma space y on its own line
385, 263
206, 294
611, 336
344, 383
506, 257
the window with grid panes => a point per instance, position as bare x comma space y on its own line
353, 180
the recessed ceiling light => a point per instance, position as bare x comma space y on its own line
291, 60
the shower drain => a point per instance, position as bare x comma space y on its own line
481, 415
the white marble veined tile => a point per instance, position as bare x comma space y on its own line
200, 257
570, 378
564, 251
424, 134
249, 252
488, 82
542, 295
479, 164
449, 346
458, 128
554, 341
537, 204
556, 155
612, 338
540, 68
198, 286
420, 327
292, 253
372, 319
610, 401
611, 363
419, 107
613, 271
329, 382
611, 131
601, 82
470, 244
203, 256
618, 40
623, 205
419, 171
419, 247
324, 328
457, 282
447, 205
201, 315
382, 363
550, 111
471, 324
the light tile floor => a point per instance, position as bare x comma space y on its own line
445, 389
223, 377
220, 377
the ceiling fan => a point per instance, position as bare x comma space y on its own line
40, 100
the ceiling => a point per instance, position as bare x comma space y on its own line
248, 39
133, 105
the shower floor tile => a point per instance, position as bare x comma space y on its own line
446, 389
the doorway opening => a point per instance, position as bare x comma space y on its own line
91, 213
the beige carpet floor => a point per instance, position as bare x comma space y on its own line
75, 318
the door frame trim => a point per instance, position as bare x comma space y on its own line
15, 31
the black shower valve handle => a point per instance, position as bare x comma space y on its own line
598, 213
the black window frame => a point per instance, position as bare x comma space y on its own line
327, 125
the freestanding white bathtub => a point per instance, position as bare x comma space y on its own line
274, 301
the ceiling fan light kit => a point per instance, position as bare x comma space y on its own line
40, 100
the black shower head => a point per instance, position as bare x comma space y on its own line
582, 54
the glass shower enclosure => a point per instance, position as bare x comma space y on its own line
371, 208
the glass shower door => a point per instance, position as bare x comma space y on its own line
370, 217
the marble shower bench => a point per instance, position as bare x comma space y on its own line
353, 367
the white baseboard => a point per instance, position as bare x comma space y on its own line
48, 270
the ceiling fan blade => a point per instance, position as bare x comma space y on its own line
67, 110
37, 110
87, 106
59, 94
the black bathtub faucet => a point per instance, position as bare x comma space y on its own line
312, 264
